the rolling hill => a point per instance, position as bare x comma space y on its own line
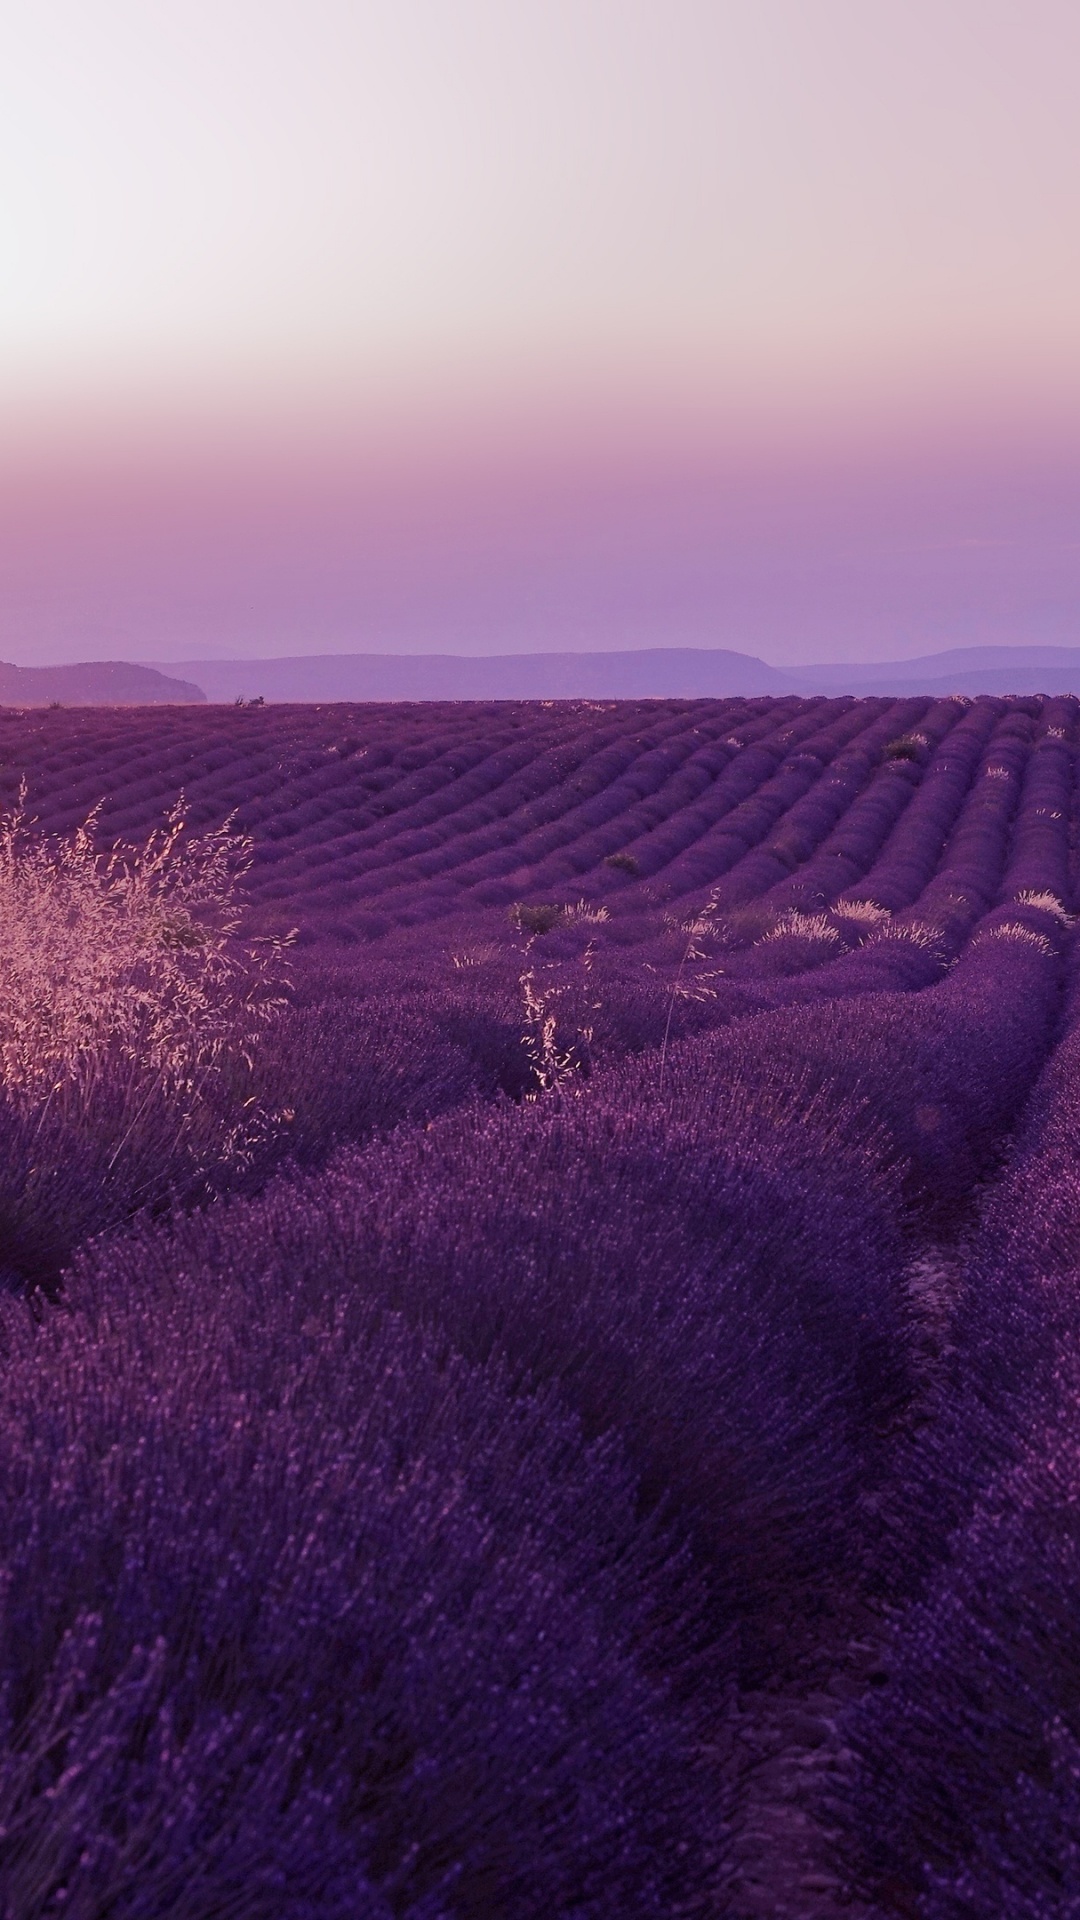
94, 683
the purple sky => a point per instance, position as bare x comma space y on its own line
394, 324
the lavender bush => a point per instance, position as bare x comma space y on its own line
302, 1608
966, 1795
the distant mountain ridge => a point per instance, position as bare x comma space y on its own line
645, 673
653, 672
674, 672
972, 670
94, 683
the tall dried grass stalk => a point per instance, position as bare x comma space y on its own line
124, 985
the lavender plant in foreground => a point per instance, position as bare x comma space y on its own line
967, 1793
304, 1615
715, 1276
1007, 1311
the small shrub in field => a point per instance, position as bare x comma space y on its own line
129, 1011
535, 919
622, 863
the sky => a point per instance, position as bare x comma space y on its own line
497, 325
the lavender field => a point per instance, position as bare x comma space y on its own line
541, 1335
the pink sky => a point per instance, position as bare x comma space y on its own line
362, 324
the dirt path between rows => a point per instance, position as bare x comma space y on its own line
783, 1840
784, 1834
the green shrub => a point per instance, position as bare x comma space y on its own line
535, 919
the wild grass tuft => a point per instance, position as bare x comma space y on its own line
1045, 902
130, 1009
803, 926
861, 911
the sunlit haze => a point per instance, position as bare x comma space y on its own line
401, 325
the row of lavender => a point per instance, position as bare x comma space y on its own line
394, 1539
369, 819
966, 1796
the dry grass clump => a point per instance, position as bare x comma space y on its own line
916, 933
802, 926
129, 1013
862, 912
127, 957
478, 955
1014, 930
1045, 902
541, 919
